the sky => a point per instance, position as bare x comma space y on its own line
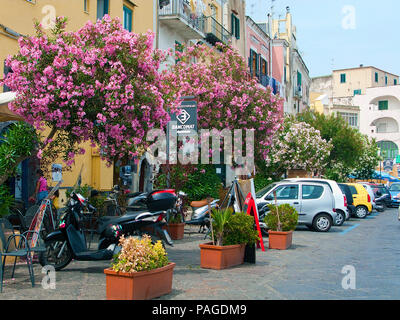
338, 34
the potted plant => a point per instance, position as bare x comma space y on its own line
176, 226
140, 271
230, 234
281, 221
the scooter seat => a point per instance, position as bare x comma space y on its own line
201, 203
129, 216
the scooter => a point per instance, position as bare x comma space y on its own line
201, 214
68, 241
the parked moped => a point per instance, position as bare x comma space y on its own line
68, 241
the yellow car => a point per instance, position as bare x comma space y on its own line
361, 200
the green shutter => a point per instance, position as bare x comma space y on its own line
376, 77
298, 78
237, 31
232, 23
383, 105
343, 78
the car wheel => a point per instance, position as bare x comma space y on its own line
322, 222
340, 218
361, 212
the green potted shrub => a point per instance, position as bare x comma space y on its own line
281, 221
140, 271
230, 234
176, 226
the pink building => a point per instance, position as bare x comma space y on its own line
259, 56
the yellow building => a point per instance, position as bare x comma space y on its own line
17, 19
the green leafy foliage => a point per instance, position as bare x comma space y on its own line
17, 144
233, 228
197, 181
220, 220
6, 200
288, 217
241, 230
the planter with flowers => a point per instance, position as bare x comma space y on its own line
230, 234
281, 221
140, 271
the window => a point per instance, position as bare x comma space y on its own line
383, 105
127, 19
102, 8
389, 150
358, 91
178, 48
85, 5
235, 26
287, 192
395, 82
264, 67
343, 78
351, 118
253, 63
376, 77
353, 190
311, 192
386, 80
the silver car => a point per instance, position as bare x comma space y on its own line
313, 201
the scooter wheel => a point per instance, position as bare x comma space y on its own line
50, 256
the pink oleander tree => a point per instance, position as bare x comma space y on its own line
227, 97
99, 84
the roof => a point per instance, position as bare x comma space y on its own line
366, 67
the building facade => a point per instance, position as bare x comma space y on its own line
17, 19
380, 117
343, 86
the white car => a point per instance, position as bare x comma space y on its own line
340, 198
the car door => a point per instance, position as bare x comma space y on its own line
310, 200
288, 193
356, 199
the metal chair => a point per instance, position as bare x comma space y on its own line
22, 250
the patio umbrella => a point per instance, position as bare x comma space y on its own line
5, 113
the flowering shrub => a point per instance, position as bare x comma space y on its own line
299, 146
98, 84
139, 255
227, 97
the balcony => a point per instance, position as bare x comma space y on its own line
178, 16
298, 92
215, 32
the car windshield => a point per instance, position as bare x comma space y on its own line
395, 187
263, 191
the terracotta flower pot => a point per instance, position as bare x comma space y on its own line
221, 257
142, 285
280, 240
176, 230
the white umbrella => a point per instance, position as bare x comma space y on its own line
5, 113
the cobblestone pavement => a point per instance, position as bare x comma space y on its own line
310, 269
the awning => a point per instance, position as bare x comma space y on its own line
385, 176
5, 113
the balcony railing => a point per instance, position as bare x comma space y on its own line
215, 32
181, 9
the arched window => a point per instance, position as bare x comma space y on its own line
389, 150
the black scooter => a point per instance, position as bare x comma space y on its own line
68, 241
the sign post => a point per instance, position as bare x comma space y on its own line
182, 124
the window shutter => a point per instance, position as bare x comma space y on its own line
237, 28
232, 23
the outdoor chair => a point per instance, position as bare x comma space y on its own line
21, 249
